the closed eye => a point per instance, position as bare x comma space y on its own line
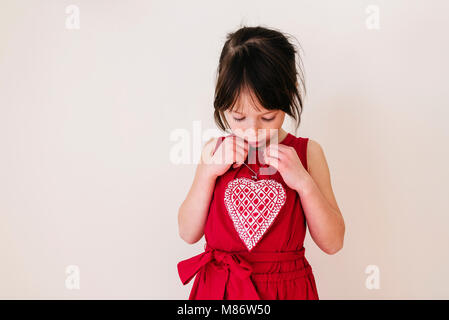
264, 119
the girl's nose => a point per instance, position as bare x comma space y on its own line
252, 132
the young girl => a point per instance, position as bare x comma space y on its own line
255, 189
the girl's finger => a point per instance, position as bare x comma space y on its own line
242, 147
243, 144
232, 154
279, 147
237, 143
273, 152
237, 139
240, 158
272, 161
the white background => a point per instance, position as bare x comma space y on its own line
86, 117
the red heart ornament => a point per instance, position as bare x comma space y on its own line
253, 206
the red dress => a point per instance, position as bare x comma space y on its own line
254, 235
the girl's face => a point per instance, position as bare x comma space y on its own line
257, 127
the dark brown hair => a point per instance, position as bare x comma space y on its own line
262, 61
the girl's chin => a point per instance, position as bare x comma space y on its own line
256, 144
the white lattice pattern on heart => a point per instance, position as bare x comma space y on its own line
253, 206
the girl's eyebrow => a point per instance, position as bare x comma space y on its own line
271, 111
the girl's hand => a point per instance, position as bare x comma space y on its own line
286, 161
233, 151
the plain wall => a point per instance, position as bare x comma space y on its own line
86, 117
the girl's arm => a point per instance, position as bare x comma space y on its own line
193, 211
214, 162
325, 221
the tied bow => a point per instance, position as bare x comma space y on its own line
221, 275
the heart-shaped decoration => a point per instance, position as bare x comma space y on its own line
253, 206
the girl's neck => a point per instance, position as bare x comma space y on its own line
282, 135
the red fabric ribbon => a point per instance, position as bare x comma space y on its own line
225, 275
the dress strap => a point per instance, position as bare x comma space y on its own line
303, 143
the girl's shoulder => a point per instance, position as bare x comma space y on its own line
309, 150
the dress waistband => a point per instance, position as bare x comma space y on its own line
272, 256
230, 271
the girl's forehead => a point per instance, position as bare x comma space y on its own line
245, 106
247, 102
250, 109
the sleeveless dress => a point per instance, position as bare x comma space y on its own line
254, 235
